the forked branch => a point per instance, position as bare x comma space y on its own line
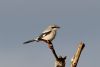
60, 61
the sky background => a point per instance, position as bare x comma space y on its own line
21, 20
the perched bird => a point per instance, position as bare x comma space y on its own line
47, 35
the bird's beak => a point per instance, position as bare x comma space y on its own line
58, 27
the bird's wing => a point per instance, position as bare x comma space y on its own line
46, 30
44, 33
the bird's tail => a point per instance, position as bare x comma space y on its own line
29, 41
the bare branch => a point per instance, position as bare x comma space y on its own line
53, 51
75, 59
60, 61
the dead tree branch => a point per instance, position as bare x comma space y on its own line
50, 46
75, 59
53, 51
60, 61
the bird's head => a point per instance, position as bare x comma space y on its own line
54, 27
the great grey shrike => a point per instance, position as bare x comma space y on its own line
47, 35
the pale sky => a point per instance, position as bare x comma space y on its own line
21, 20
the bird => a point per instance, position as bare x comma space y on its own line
48, 35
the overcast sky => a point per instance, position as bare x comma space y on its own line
21, 20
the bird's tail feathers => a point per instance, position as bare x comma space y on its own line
29, 41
